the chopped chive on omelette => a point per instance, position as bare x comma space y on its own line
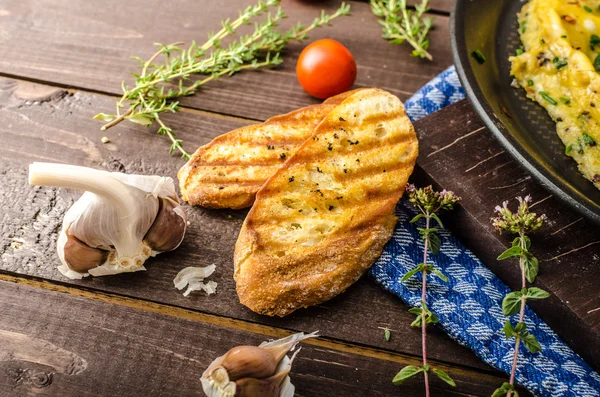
557, 71
479, 57
547, 97
588, 139
568, 149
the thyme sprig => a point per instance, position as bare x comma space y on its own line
520, 222
158, 85
401, 24
429, 203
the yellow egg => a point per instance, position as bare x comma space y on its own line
559, 68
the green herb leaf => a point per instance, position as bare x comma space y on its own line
140, 119
401, 24
512, 252
536, 293
531, 343
444, 376
423, 231
519, 51
437, 219
520, 327
166, 75
527, 241
547, 97
597, 63
434, 243
531, 268
440, 274
522, 26
511, 303
564, 100
504, 389
411, 273
105, 117
508, 329
530, 82
416, 218
479, 57
559, 63
405, 373
417, 322
387, 334
568, 149
594, 41
432, 318
588, 140
588, 9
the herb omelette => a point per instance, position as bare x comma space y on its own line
558, 67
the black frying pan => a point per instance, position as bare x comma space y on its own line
522, 126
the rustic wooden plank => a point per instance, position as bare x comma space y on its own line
52, 125
460, 154
81, 44
58, 344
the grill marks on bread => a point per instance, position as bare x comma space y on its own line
322, 219
227, 172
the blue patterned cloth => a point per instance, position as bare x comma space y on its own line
469, 305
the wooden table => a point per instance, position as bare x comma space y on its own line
63, 61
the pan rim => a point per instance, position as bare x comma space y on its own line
554, 185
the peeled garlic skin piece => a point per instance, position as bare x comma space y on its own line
115, 213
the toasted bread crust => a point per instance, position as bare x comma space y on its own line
228, 171
323, 218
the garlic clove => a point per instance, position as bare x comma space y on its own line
80, 257
218, 383
251, 387
269, 387
114, 214
247, 366
249, 361
168, 229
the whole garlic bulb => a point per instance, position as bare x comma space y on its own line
119, 222
253, 371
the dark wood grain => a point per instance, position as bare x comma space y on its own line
460, 154
53, 125
57, 344
81, 44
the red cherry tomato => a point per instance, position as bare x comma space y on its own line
326, 68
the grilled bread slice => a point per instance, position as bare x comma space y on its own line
323, 218
227, 172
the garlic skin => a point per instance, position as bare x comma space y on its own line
193, 279
114, 215
249, 371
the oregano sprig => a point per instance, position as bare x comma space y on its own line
429, 203
158, 85
521, 222
401, 24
